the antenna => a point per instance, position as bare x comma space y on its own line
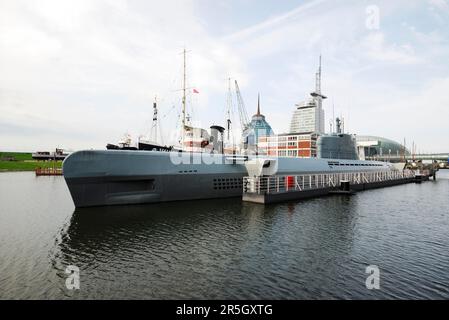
338, 125
413, 150
333, 112
403, 151
318, 98
318, 79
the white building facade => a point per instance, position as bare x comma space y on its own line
308, 117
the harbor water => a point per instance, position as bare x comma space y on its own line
225, 249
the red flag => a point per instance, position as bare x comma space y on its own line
195, 91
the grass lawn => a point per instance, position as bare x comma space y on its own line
24, 162
19, 156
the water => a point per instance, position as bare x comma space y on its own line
220, 249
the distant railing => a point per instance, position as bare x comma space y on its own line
285, 183
392, 157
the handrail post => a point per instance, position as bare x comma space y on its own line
268, 185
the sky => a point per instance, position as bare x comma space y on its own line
79, 74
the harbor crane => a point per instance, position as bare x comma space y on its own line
243, 115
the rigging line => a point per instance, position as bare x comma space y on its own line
192, 112
161, 133
169, 111
177, 136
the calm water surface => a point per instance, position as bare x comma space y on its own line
220, 249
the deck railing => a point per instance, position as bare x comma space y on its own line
285, 183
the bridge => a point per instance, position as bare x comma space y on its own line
439, 157
442, 159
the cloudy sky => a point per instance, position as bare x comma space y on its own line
80, 73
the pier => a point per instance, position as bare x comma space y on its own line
48, 172
278, 188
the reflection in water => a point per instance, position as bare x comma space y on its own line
167, 243
213, 248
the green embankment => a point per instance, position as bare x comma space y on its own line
23, 162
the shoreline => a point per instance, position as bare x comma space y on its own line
17, 170
24, 162
28, 168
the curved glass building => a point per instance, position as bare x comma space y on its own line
371, 146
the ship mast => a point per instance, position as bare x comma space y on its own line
228, 107
154, 128
183, 100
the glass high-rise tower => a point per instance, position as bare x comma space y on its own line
308, 116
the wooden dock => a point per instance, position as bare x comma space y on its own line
48, 172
